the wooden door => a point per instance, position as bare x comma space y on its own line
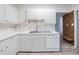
68, 26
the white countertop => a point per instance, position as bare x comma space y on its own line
6, 34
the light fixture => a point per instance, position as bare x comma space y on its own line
72, 24
66, 24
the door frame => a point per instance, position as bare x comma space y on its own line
75, 29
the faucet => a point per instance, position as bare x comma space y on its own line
36, 21
36, 27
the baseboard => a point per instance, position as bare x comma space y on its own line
36, 52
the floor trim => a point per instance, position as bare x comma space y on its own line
36, 52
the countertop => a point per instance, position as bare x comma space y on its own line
9, 33
6, 34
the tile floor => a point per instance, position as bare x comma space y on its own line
66, 49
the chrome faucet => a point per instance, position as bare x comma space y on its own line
36, 23
36, 27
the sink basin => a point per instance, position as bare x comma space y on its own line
40, 32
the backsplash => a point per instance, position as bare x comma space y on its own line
24, 26
7, 26
32, 26
46, 27
27, 26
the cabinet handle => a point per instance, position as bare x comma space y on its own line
1, 50
7, 47
51, 35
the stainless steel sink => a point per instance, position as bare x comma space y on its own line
40, 32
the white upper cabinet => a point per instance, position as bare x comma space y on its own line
2, 12
11, 13
48, 15
21, 15
8, 13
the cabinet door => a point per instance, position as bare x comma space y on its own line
11, 13
2, 12
24, 43
52, 41
15, 44
21, 15
38, 42
9, 46
12, 46
2, 48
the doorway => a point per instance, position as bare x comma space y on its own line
65, 25
68, 30
68, 27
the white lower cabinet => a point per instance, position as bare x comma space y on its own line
12, 46
9, 46
52, 42
39, 42
24, 43
3, 49
30, 42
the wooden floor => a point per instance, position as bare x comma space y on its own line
66, 49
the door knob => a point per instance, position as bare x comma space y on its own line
66, 24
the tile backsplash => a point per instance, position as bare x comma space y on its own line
30, 26
7, 26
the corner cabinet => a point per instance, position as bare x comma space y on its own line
8, 46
